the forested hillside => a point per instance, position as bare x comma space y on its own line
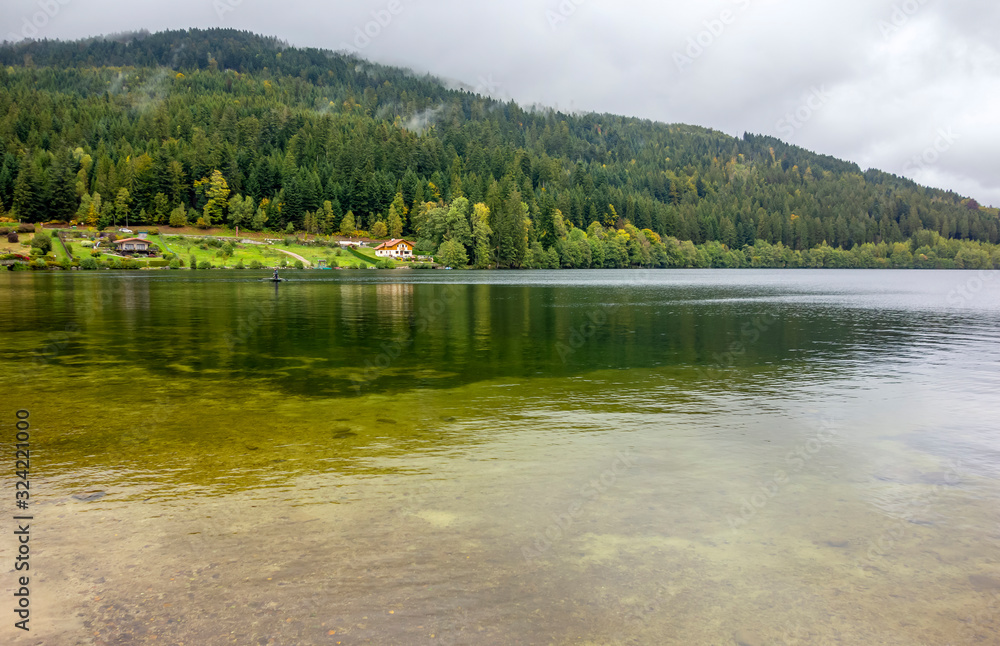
229, 127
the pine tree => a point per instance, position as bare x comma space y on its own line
395, 224
123, 202
84, 208
260, 215
398, 208
310, 223
481, 235
512, 232
161, 208
62, 181
27, 193
325, 219
347, 225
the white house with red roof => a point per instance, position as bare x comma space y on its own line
133, 245
398, 249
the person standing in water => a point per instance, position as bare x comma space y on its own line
275, 273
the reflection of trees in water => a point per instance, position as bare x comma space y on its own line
313, 338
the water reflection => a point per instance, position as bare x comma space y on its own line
816, 454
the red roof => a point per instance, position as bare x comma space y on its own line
392, 243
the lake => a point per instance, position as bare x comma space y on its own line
593, 457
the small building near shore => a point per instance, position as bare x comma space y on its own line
133, 245
399, 249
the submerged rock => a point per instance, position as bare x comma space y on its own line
984, 582
89, 496
747, 638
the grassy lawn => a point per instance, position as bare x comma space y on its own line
267, 255
15, 247
367, 255
209, 249
59, 250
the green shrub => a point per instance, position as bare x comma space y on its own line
39, 263
298, 265
204, 264
20, 266
283, 263
255, 264
175, 264
240, 265
178, 218
194, 262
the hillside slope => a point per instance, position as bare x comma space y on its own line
301, 137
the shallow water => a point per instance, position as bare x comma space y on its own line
598, 457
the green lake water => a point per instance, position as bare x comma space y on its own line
594, 457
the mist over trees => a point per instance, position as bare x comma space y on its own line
221, 127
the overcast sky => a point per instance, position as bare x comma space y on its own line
908, 86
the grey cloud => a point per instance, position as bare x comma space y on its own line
896, 71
